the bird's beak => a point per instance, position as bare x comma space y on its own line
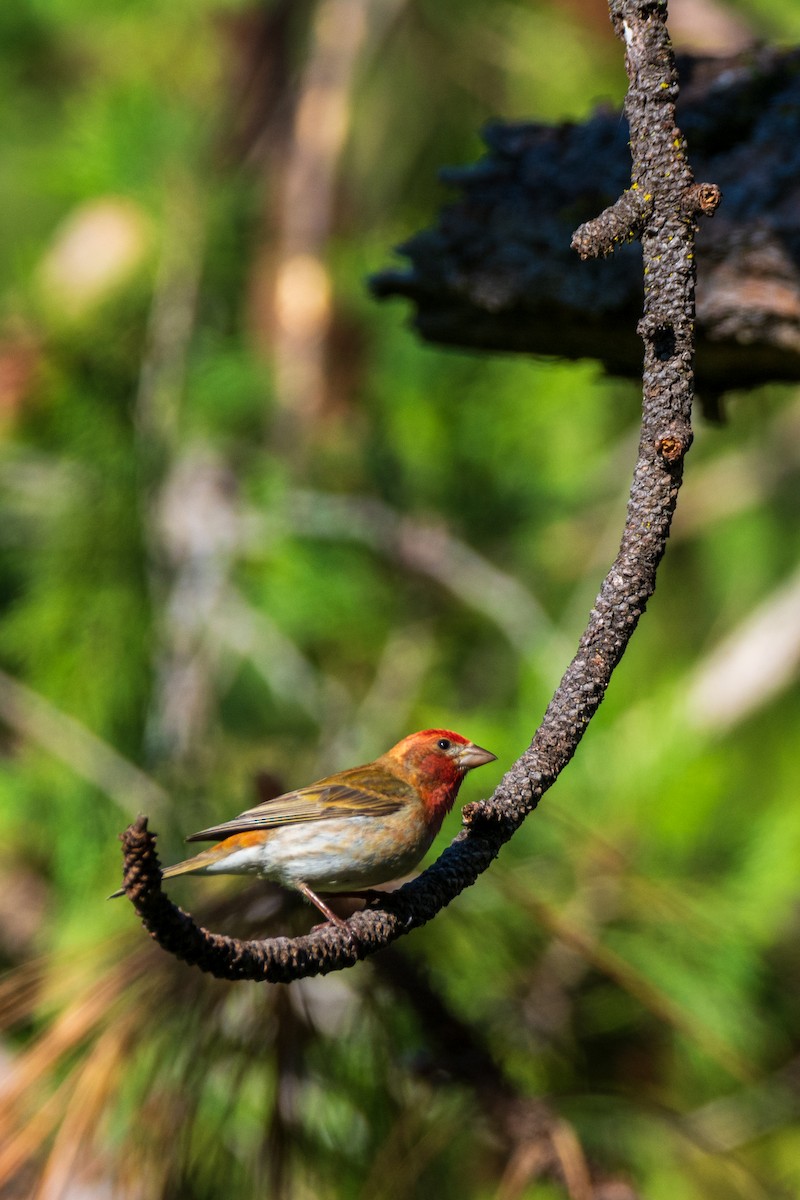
473, 756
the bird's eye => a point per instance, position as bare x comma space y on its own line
443, 744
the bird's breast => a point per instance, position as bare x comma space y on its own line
346, 853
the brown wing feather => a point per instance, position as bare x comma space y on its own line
368, 791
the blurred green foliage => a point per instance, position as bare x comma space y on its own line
216, 581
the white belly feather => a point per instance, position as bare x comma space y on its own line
335, 855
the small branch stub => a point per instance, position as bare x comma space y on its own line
671, 447
701, 199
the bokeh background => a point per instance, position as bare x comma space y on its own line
253, 531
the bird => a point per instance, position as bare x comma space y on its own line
350, 831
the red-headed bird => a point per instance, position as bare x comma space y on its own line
350, 831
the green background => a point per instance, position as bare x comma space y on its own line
251, 524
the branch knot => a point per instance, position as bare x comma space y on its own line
672, 446
700, 199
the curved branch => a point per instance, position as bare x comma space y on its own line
661, 171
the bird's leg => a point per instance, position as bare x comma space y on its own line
320, 904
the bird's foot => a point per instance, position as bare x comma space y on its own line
332, 917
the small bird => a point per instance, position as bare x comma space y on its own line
350, 831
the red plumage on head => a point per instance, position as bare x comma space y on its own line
442, 733
430, 768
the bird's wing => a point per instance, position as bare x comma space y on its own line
368, 791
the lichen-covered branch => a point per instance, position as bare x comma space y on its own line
661, 171
621, 222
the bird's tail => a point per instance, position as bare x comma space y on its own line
199, 863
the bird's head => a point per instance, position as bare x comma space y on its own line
435, 761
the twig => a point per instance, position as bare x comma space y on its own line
660, 171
